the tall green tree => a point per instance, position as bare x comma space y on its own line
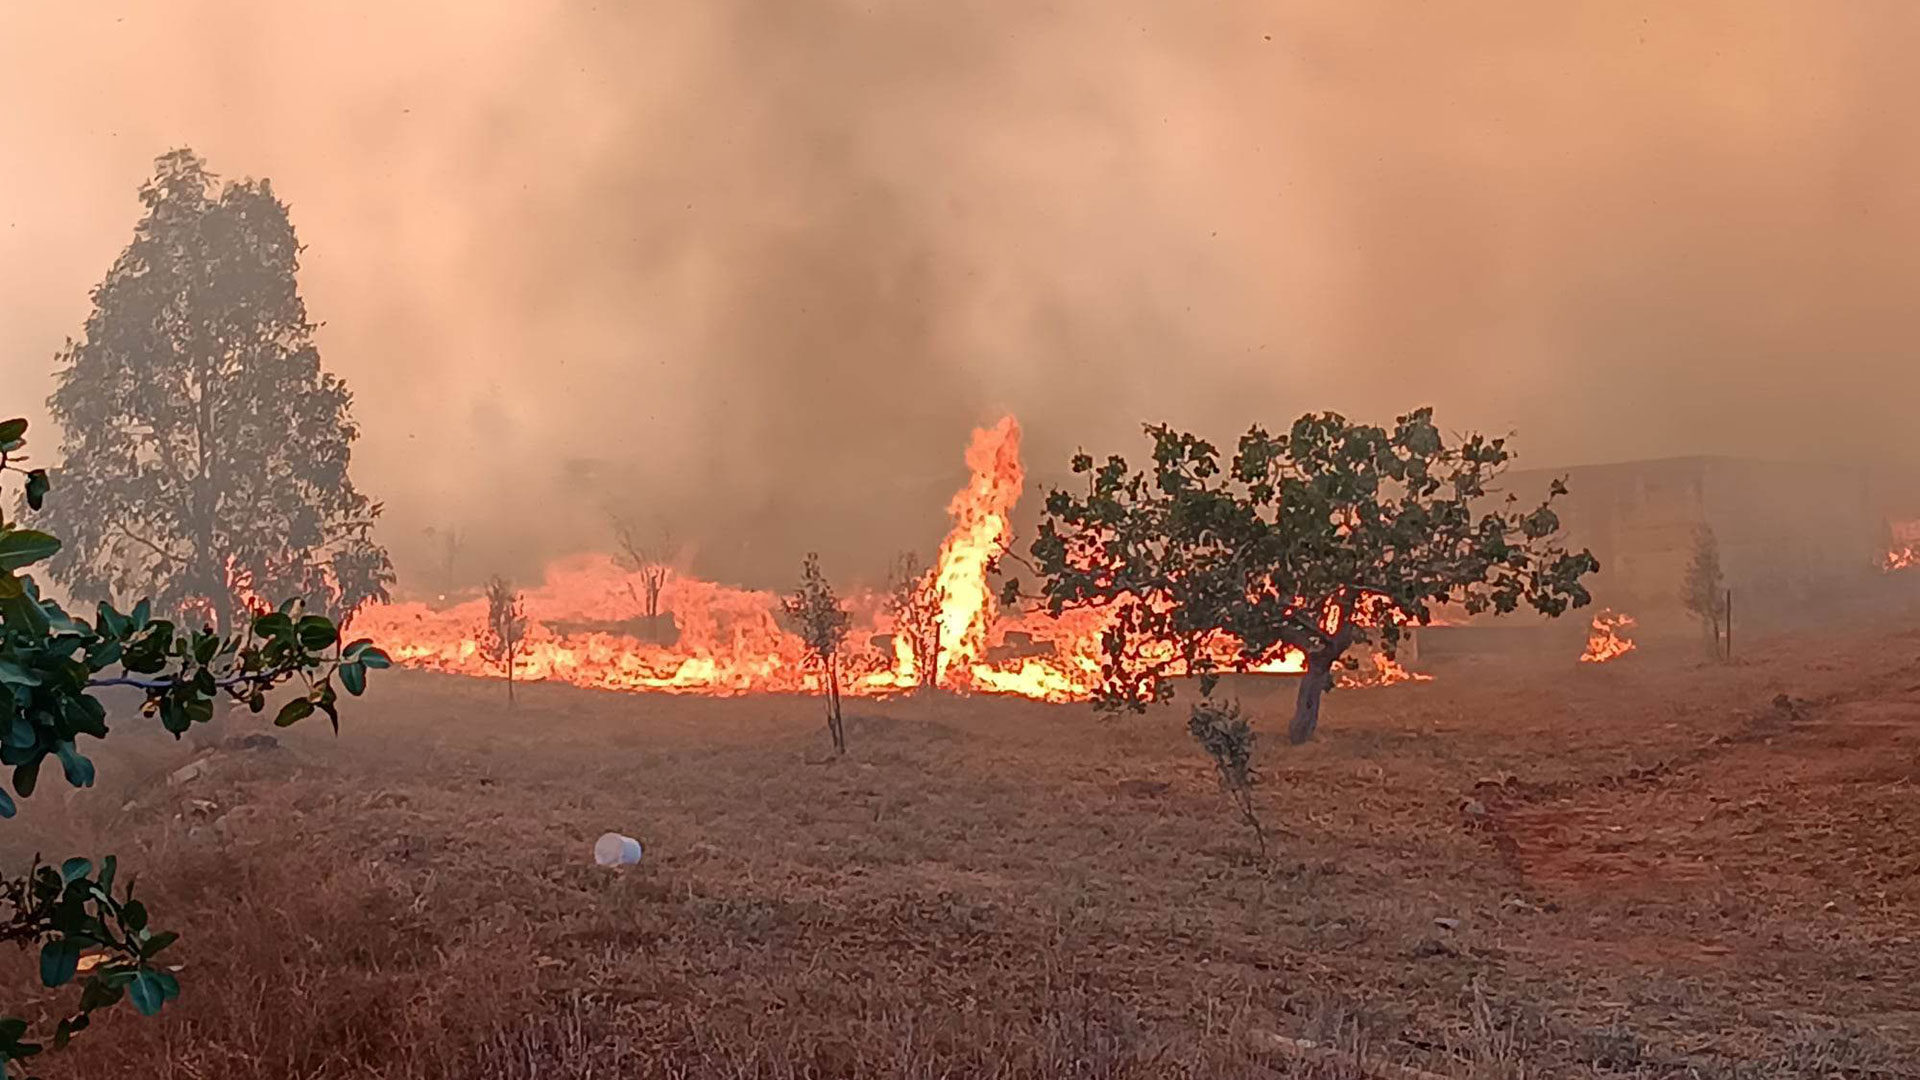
205, 451
1330, 535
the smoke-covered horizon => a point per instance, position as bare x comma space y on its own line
758, 267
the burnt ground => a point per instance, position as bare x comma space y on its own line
1649, 868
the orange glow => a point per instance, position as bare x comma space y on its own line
1385, 671
585, 625
1904, 551
980, 532
1608, 640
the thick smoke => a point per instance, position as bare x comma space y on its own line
757, 267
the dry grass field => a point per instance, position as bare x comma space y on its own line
1650, 868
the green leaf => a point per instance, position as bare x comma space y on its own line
22, 610
14, 673
25, 776
293, 712
376, 658
354, 678
78, 768
68, 1027
173, 715
198, 710
105, 654
110, 622
11, 1028
12, 430
74, 869
152, 946
135, 914
85, 714
108, 864
317, 632
24, 547
148, 993
37, 488
7, 808
59, 959
274, 624
142, 614
99, 993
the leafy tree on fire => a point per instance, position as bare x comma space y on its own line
205, 451
914, 600
1705, 588
506, 627
86, 921
1330, 535
823, 627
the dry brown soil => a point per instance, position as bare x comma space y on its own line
1651, 868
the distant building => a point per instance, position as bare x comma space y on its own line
1794, 537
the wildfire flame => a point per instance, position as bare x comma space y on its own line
1904, 551
1386, 672
584, 624
980, 530
1607, 640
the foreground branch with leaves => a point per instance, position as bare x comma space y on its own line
85, 923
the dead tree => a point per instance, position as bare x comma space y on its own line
823, 627
914, 600
650, 557
449, 540
506, 628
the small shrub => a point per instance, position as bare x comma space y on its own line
1228, 739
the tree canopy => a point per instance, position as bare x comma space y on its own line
1329, 535
205, 451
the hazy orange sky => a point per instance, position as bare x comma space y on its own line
763, 264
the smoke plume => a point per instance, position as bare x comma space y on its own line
755, 267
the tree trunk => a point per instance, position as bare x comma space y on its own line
1306, 707
509, 674
834, 725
